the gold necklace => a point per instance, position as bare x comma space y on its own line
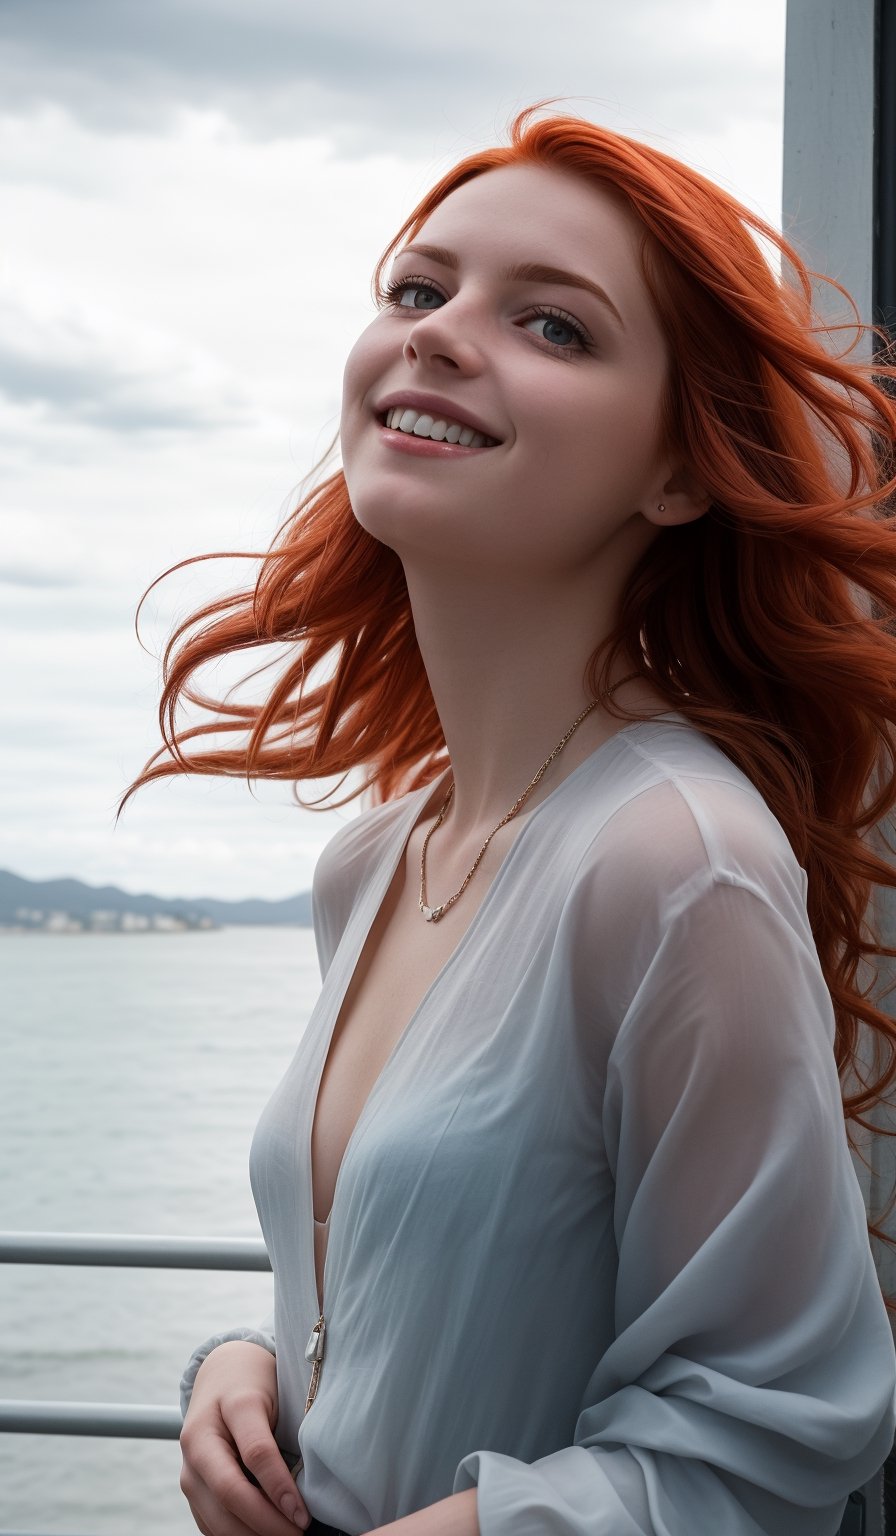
432, 914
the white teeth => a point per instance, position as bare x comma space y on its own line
419, 424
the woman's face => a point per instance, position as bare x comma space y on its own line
568, 390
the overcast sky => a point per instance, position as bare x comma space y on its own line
194, 195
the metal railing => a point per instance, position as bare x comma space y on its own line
133, 1252
132, 1421
145, 1422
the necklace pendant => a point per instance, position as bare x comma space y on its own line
314, 1353
432, 914
314, 1349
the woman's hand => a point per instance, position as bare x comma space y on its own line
230, 1419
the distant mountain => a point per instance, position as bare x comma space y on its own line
81, 903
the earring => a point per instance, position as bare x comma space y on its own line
661, 507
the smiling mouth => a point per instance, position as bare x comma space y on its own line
436, 429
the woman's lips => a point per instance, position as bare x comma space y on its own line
406, 442
438, 408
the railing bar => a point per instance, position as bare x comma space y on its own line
125, 1421
134, 1250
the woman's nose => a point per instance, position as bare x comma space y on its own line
445, 340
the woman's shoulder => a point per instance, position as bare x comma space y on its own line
345, 866
682, 815
682, 871
354, 850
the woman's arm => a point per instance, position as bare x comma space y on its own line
263, 1336
228, 1431
454, 1516
750, 1383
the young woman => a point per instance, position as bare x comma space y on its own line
558, 1193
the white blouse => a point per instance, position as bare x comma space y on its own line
597, 1244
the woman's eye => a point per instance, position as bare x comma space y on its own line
563, 334
413, 293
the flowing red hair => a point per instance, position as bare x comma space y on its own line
768, 622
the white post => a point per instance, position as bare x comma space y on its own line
829, 126
838, 162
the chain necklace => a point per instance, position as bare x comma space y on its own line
432, 914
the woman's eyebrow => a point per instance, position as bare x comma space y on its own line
523, 272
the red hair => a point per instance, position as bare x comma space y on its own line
768, 622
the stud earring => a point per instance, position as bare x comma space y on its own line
661, 507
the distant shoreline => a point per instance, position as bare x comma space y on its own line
79, 932
69, 906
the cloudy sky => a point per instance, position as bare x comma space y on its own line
193, 194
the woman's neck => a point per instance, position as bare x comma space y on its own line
506, 664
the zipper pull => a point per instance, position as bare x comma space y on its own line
314, 1351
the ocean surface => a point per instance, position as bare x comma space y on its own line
132, 1071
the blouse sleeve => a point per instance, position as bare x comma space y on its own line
263, 1336
749, 1387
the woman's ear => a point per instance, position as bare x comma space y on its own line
679, 501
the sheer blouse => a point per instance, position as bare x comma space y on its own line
597, 1246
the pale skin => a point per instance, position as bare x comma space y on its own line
515, 557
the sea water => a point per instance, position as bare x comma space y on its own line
133, 1068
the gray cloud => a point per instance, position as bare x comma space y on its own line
97, 393
363, 74
73, 606
18, 574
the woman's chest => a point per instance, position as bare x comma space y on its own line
401, 959
442, 1075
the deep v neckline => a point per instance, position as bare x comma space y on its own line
372, 905
372, 902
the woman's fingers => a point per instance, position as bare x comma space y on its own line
211, 1518
213, 1482
259, 1452
234, 1476
216, 1516
217, 1521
